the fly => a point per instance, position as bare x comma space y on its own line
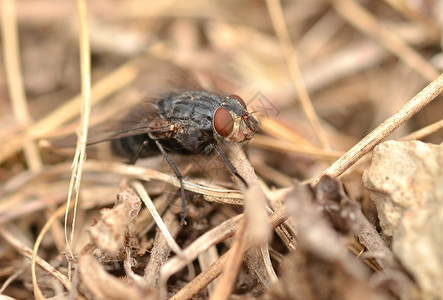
187, 123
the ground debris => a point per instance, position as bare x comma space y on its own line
405, 181
321, 268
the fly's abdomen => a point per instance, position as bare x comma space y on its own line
128, 146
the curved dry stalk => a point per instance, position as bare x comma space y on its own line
80, 153
410, 12
278, 22
264, 250
423, 132
62, 278
29, 253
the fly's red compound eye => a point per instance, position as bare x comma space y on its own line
239, 100
223, 122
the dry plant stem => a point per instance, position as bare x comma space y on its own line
149, 174
278, 21
264, 250
59, 212
205, 260
115, 81
207, 276
238, 249
257, 231
80, 153
256, 263
27, 252
161, 225
274, 144
423, 132
416, 135
32, 254
371, 239
12, 278
384, 129
356, 15
160, 251
223, 231
145, 222
168, 237
202, 280
409, 12
14, 80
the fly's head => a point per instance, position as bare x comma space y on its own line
233, 122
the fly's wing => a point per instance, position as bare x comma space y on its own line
156, 79
143, 119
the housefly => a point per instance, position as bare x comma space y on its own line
188, 123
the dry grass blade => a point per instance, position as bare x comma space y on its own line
149, 174
161, 250
115, 81
364, 21
202, 280
410, 12
276, 13
387, 127
238, 249
15, 80
28, 253
285, 147
80, 153
252, 230
32, 254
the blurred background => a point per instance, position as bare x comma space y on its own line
359, 62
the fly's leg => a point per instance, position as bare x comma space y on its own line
180, 179
230, 165
139, 151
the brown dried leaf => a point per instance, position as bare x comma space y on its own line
109, 233
102, 285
